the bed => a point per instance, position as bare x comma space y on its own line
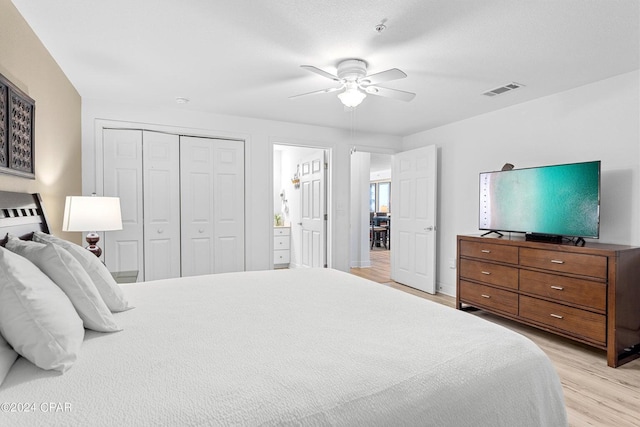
289, 347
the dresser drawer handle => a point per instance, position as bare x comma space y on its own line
557, 316
557, 261
485, 296
486, 272
558, 288
485, 251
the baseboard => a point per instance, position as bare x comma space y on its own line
361, 264
441, 288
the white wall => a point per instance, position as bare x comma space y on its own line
384, 175
599, 121
360, 223
260, 135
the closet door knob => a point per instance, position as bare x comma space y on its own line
160, 231
201, 230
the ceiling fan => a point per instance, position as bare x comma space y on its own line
355, 84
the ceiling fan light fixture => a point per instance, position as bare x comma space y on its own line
352, 97
354, 84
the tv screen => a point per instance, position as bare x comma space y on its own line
558, 200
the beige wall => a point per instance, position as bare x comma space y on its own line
26, 63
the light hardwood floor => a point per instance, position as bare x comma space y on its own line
595, 395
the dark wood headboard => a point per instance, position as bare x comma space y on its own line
21, 214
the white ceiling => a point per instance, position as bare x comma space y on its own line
242, 57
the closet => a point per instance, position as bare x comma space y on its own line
182, 202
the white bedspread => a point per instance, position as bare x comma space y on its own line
292, 347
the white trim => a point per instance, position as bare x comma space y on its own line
361, 264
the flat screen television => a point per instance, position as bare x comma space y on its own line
549, 202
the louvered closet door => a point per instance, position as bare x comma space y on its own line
212, 205
161, 165
122, 160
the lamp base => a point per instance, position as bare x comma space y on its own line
92, 240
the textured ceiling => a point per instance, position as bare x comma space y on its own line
242, 57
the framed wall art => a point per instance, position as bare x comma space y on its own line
17, 114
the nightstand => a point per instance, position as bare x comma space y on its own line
125, 276
281, 246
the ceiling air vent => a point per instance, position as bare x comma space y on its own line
503, 89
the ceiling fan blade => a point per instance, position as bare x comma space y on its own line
390, 93
328, 90
320, 72
383, 76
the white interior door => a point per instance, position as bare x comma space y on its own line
312, 210
413, 218
122, 160
212, 205
196, 184
161, 165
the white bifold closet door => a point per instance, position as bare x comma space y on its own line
143, 169
212, 203
122, 161
182, 201
161, 179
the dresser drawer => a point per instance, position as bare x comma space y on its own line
281, 257
486, 296
565, 289
489, 251
583, 264
280, 242
281, 231
576, 322
487, 272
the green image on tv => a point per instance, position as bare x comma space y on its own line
557, 200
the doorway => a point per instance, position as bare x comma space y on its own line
300, 206
413, 201
371, 197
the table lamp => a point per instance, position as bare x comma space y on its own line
92, 214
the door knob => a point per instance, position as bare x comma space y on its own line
201, 230
429, 228
160, 231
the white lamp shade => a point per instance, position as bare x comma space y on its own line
92, 213
352, 97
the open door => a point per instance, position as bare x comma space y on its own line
313, 219
413, 220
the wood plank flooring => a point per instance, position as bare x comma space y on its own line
595, 395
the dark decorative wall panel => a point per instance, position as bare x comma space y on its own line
17, 113
4, 159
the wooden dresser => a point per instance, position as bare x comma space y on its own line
590, 294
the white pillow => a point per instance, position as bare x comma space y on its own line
36, 317
107, 287
68, 274
7, 357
